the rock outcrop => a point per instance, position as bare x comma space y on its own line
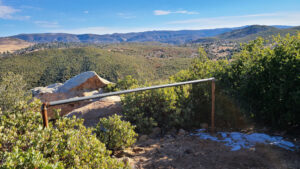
84, 84
87, 81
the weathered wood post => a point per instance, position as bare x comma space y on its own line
45, 115
213, 87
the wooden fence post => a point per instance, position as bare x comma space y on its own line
213, 87
45, 115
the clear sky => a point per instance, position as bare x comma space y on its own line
121, 16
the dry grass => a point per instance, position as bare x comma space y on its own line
11, 44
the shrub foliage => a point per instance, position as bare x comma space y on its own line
267, 81
115, 133
260, 83
66, 144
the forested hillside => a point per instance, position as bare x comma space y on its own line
172, 37
250, 33
48, 66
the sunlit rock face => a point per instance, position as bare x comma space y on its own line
84, 84
86, 81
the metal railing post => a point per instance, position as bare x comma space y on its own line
213, 88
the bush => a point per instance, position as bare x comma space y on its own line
266, 80
11, 90
178, 107
127, 83
153, 108
27, 159
115, 133
65, 144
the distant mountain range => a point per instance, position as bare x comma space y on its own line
172, 37
250, 33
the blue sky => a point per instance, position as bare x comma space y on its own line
119, 16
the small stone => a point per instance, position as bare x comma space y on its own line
196, 153
181, 132
137, 149
143, 138
168, 136
155, 132
150, 141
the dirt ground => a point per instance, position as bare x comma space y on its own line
186, 152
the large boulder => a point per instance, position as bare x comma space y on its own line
84, 84
86, 81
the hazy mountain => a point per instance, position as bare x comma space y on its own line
244, 33
250, 33
282, 26
173, 37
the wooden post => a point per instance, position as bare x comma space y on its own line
213, 87
45, 115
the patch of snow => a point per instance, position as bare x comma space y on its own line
237, 140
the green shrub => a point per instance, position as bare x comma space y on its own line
65, 144
11, 90
124, 84
266, 80
153, 108
185, 106
115, 133
27, 159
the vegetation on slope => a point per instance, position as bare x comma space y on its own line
24, 143
57, 65
250, 33
261, 83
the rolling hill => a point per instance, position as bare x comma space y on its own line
144, 63
250, 33
172, 37
12, 44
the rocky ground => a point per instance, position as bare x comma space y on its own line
183, 151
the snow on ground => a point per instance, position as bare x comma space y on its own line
237, 140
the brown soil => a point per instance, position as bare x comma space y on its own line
187, 152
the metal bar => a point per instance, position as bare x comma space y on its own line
59, 102
45, 115
213, 87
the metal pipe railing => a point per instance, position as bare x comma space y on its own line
60, 102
